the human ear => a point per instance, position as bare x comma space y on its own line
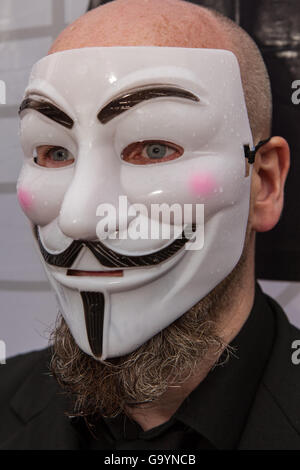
268, 180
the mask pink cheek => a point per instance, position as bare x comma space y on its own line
202, 184
25, 199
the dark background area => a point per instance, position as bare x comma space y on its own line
275, 26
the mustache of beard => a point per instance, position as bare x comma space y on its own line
108, 257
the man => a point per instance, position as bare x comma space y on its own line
159, 347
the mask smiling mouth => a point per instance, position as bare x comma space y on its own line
107, 257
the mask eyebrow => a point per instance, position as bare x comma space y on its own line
47, 109
129, 99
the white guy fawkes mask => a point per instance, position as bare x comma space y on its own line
157, 125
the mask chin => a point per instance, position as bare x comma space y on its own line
112, 316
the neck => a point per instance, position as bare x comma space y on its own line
149, 417
232, 319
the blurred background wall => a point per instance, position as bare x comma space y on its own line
27, 306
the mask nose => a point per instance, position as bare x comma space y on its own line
96, 181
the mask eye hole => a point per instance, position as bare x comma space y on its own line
150, 152
52, 157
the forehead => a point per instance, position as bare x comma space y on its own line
95, 75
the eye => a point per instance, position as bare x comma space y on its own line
150, 152
52, 157
155, 151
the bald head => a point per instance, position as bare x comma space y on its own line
176, 23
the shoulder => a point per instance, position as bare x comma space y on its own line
282, 376
32, 407
274, 420
23, 362
287, 335
18, 368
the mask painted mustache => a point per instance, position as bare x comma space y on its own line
108, 257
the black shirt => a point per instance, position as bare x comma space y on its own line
213, 416
229, 409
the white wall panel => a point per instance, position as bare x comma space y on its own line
19, 260
17, 59
10, 150
27, 306
25, 13
26, 319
